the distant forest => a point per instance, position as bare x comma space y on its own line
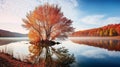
109, 30
4, 33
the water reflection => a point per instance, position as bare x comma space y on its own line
109, 44
51, 57
4, 42
7, 40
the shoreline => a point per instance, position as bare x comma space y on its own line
9, 61
96, 37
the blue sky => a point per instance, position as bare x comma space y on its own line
85, 14
108, 7
98, 13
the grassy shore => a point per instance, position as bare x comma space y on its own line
7, 60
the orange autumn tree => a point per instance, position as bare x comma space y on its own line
47, 22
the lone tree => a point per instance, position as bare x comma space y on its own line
45, 24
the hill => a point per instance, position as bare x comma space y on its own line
4, 33
109, 30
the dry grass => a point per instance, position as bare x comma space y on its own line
8, 61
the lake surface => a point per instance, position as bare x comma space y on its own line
87, 52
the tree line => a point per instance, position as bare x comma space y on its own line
109, 30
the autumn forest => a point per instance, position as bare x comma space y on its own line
109, 30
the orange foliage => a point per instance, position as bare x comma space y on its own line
47, 23
33, 36
109, 30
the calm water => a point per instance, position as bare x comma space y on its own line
88, 52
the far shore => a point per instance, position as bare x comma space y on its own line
96, 37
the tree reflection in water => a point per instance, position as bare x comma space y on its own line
45, 24
49, 56
109, 44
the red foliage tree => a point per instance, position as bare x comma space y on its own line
47, 22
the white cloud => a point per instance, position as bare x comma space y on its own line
100, 53
111, 20
14, 10
99, 20
93, 54
1, 3
94, 19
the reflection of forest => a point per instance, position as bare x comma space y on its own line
3, 42
107, 44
